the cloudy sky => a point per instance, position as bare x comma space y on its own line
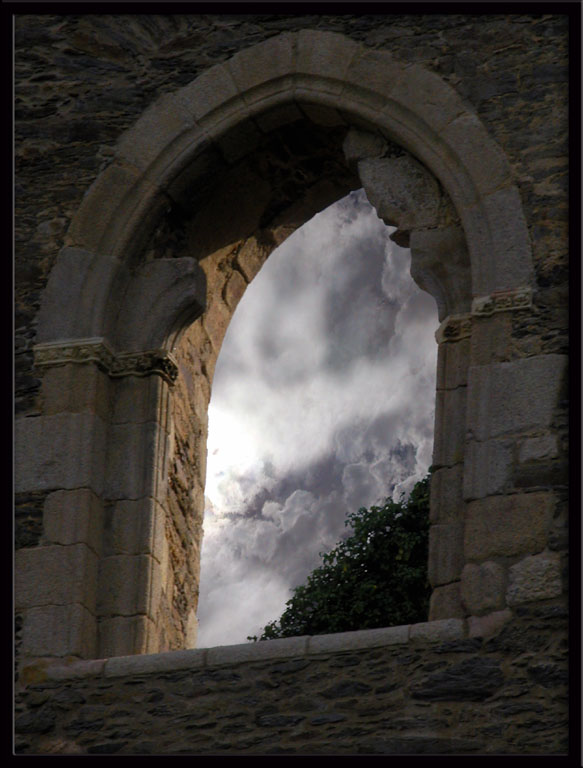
322, 402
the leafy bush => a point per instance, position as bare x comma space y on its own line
377, 577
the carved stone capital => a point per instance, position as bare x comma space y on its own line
97, 351
502, 301
454, 328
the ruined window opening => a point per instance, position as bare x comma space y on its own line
332, 320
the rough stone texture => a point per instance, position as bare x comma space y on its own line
483, 587
81, 82
493, 695
508, 525
534, 578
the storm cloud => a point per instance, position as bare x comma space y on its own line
322, 402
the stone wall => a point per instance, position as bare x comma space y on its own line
499, 489
439, 688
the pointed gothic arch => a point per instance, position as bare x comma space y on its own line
115, 319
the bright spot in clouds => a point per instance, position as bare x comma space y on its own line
322, 402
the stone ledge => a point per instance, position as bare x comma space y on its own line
286, 648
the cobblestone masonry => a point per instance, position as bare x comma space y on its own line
424, 689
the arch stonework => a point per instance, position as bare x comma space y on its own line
127, 339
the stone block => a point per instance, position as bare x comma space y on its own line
120, 188
433, 631
129, 585
216, 321
506, 398
446, 553
491, 337
234, 290
376, 71
80, 280
536, 577
74, 517
489, 169
137, 461
159, 126
160, 291
488, 468
126, 635
403, 192
359, 144
76, 670
513, 265
351, 641
425, 94
209, 92
505, 526
445, 603
59, 630
44, 446
136, 527
452, 364
170, 661
267, 64
56, 575
288, 647
75, 388
483, 587
140, 399
450, 427
538, 448
486, 626
446, 503
326, 56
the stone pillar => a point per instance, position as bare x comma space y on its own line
509, 486
446, 535
100, 454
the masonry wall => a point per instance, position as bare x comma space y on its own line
80, 82
424, 689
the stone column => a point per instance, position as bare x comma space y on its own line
511, 449
100, 453
446, 534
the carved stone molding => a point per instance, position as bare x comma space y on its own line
454, 328
502, 301
96, 350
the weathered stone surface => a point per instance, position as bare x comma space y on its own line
450, 428
506, 398
56, 575
74, 517
534, 578
78, 87
129, 585
537, 448
404, 194
60, 630
445, 603
507, 525
446, 499
446, 553
483, 587
488, 468
444, 629
44, 445
473, 679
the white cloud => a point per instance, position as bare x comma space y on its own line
322, 402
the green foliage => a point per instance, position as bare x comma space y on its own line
377, 577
